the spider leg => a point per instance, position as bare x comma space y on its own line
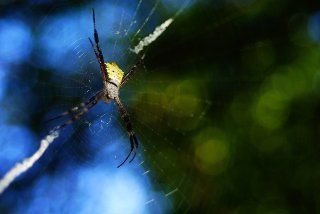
73, 110
78, 110
132, 148
133, 139
101, 64
135, 148
128, 76
97, 50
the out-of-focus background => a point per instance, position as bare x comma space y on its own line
226, 107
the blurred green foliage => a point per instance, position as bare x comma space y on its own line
241, 82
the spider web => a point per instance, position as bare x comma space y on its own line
164, 110
253, 149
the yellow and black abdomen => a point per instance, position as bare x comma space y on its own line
115, 74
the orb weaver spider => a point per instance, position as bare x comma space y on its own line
113, 79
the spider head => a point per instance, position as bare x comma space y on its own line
114, 72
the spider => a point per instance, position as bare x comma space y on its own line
113, 79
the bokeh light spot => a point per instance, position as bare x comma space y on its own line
183, 97
270, 110
181, 100
212, 150
15, 41
314, 27
3, 81
93, 190
64, 38
15, 143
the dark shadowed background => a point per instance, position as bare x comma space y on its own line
226, 107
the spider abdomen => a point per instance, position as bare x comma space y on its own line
115, 74
112, 90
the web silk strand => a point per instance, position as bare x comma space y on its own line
27, 163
